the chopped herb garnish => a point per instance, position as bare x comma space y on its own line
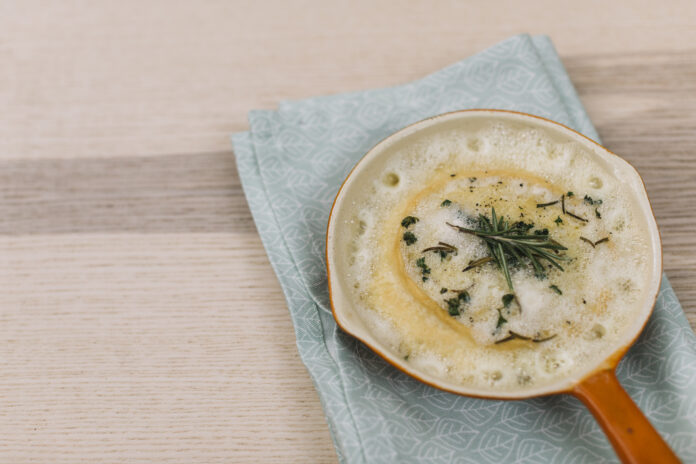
596, 212
501, 320
588, 199
406, 358
453, 306
443, 249
472, 179
594, 244
513, 335
576, 216
453, 175
446, 203
443, 290
505, 243
523, 226
425, 270
569, 194
409, 238
408, 221
565, 211
546, 339
478, 262
507, 299
544, 205
441, 246
558, 220
543, 231
556, 289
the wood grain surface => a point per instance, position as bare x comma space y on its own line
140, 319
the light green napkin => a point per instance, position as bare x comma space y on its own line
292, 163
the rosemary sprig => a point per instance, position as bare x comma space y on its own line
505, 242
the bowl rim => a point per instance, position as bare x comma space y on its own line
608, 363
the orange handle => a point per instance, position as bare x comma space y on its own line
633, 437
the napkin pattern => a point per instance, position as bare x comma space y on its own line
292, 163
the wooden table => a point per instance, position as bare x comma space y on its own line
140, 318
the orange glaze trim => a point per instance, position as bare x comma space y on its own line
634, 439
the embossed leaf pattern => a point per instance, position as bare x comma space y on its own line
291, 164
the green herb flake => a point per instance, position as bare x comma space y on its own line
507, 299
472, 179
408, 221
464, 296
445, 203
443, 290
558, 220
501, 320
596, 212
590, 201
453, 306
523, 226
556, 289
570, 194
409, 238
425, 270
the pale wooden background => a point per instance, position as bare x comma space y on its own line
140, 319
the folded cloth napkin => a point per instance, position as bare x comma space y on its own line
292, 163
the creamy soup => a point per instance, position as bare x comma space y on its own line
498, 259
